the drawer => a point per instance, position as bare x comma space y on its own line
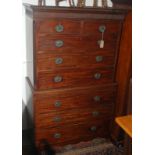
64, 99
73, 133
62, 61
59, 43
74, 78
55, 26
108, 27
52, 119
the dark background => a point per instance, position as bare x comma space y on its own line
123, 1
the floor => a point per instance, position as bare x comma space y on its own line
28, 147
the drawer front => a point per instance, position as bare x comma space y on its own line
59, 100
73, 133
59, 26
62, 61
107, 27
67, 43
55, 118
74, 78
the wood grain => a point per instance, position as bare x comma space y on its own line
74, 98
48, 26
50, 119
48, 62
74, 78
85, 96
47, 42
123, 74
81, 132
77, 27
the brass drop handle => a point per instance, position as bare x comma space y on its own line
58, 61
93, 128
57, 104
102, 28
57, 119
97, 76
59, 28
99, 58
57, 135
95, 113
97, 98
57, 79
59, 43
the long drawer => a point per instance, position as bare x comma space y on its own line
74, 78
50, 42
56, 118
81, 97
50, 61
73, 133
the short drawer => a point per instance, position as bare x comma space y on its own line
52, 119
107, 27
82, 97
62, 26
73, 133
74, 78
50, 61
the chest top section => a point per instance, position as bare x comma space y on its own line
117, 12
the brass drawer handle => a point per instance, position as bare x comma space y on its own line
97, 98
57, 79
99, 58
57, 104
57, 119
59, 43
59, 28
57, 135
58, 61
102, 28
93, 128
95, 113
97, 76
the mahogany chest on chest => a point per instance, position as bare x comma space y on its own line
72, 58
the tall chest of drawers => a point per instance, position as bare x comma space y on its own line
72, 58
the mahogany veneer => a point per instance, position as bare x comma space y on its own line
71, 77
